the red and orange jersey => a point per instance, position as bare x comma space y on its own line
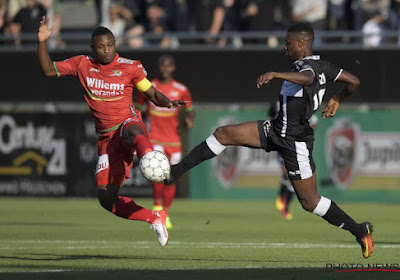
107, 88
163, 122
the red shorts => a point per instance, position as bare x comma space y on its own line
174, 153
115, 155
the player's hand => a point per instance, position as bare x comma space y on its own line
176, 103
44, 32
265, 78
330, 108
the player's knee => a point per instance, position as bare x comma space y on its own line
106, 199
132, 132
308, 204
106, 203
222, 134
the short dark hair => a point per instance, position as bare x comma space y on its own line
302, 28
100, 30
164, 57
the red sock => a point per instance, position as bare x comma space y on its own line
128, 209
169, 195
157, 193
142, 145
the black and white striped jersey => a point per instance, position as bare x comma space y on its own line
298, 102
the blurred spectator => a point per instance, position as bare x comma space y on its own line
312, 12
231, 22
26, 21
53, 12
372, 30
364, 10
102, 10
177, 13
209, 17
134, 36
231, 18
134, 10
117, 21
395, 15
337, 15
3, 16
259, 15
155, 23
14, 6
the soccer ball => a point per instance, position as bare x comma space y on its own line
154, 166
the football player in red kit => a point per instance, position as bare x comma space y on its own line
163, 127
108, 81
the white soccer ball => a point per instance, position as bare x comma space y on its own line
154, 166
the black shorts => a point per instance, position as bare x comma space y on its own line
296, 155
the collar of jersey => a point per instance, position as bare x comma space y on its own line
111, 64
312, 57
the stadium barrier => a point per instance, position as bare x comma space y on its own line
211, 76
357, 154
49, 149
194, 41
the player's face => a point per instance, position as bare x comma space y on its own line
167, 68
104, 48
292, 47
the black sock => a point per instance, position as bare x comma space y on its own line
196, 156
282, 190
286, 195
289, 198
339, 218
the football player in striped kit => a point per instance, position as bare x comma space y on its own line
290, 134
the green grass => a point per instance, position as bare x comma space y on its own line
76, 239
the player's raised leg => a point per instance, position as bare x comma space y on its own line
311, 201
126, 208
114, 165
158, 190
243, 134
135, 136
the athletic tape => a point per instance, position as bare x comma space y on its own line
323, 206
214, 145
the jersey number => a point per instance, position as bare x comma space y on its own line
320, 95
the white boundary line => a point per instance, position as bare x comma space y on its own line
103, 244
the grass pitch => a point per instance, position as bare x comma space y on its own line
76, 239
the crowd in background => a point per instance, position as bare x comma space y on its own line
129, 19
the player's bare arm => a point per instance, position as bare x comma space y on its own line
352, 83
302, 78
189, 119
44, 33
161, 100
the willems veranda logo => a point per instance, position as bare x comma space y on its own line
354, 267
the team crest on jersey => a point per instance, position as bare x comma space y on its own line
341, 151
116, 73
125, 60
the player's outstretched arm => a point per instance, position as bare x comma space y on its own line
352, 83
302, 78
44, 33
161, 100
